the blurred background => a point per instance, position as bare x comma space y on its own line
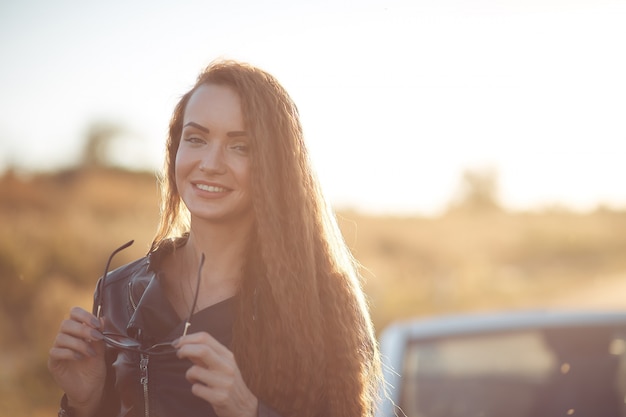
472, 149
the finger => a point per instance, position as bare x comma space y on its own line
206, 356
80, 330
198, 354
211, 378
217, 398
214, 387
75, 345
225, 392
217, 351
202, 338
83, 316
194, 339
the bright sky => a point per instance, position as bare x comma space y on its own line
398, 97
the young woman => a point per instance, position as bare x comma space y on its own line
249, 302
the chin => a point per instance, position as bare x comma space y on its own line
222, 217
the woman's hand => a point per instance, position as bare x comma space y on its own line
76, 360
215, 376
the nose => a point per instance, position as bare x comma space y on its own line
212, 160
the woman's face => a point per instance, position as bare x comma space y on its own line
212, 162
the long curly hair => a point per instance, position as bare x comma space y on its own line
302, 338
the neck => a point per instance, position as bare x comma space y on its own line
224, 248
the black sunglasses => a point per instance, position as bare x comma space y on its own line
127, 343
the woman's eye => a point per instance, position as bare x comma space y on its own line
194, 139
241, 147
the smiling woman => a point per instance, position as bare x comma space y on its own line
278, 323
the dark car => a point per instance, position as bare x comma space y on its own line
510, 364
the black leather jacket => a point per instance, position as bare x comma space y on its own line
134, 305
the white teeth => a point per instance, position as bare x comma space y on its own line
211, 188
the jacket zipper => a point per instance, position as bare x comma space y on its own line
143, 363
143, 366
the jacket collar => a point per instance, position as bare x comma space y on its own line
153, 318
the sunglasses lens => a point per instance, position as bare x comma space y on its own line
121, 342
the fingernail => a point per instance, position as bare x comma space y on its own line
78, 356
96, 335
95, 323
91, 351
175, 342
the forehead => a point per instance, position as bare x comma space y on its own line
214, 103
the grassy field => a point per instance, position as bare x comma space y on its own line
56, 231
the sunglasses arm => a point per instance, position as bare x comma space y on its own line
195, 298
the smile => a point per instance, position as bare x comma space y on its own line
211, 188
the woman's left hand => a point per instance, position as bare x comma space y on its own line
215, 376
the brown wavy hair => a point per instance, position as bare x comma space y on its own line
302, 337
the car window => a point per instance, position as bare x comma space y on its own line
516, 374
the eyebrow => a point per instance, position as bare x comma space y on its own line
232, 134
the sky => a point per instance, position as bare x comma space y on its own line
397, 97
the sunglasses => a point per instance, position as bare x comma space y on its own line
127, 343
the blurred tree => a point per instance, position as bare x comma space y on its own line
98, 138
478, 191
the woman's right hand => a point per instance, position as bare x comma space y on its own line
76, 360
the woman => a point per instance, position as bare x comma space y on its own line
279, 325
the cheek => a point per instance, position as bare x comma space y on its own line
180, 167
243, 172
